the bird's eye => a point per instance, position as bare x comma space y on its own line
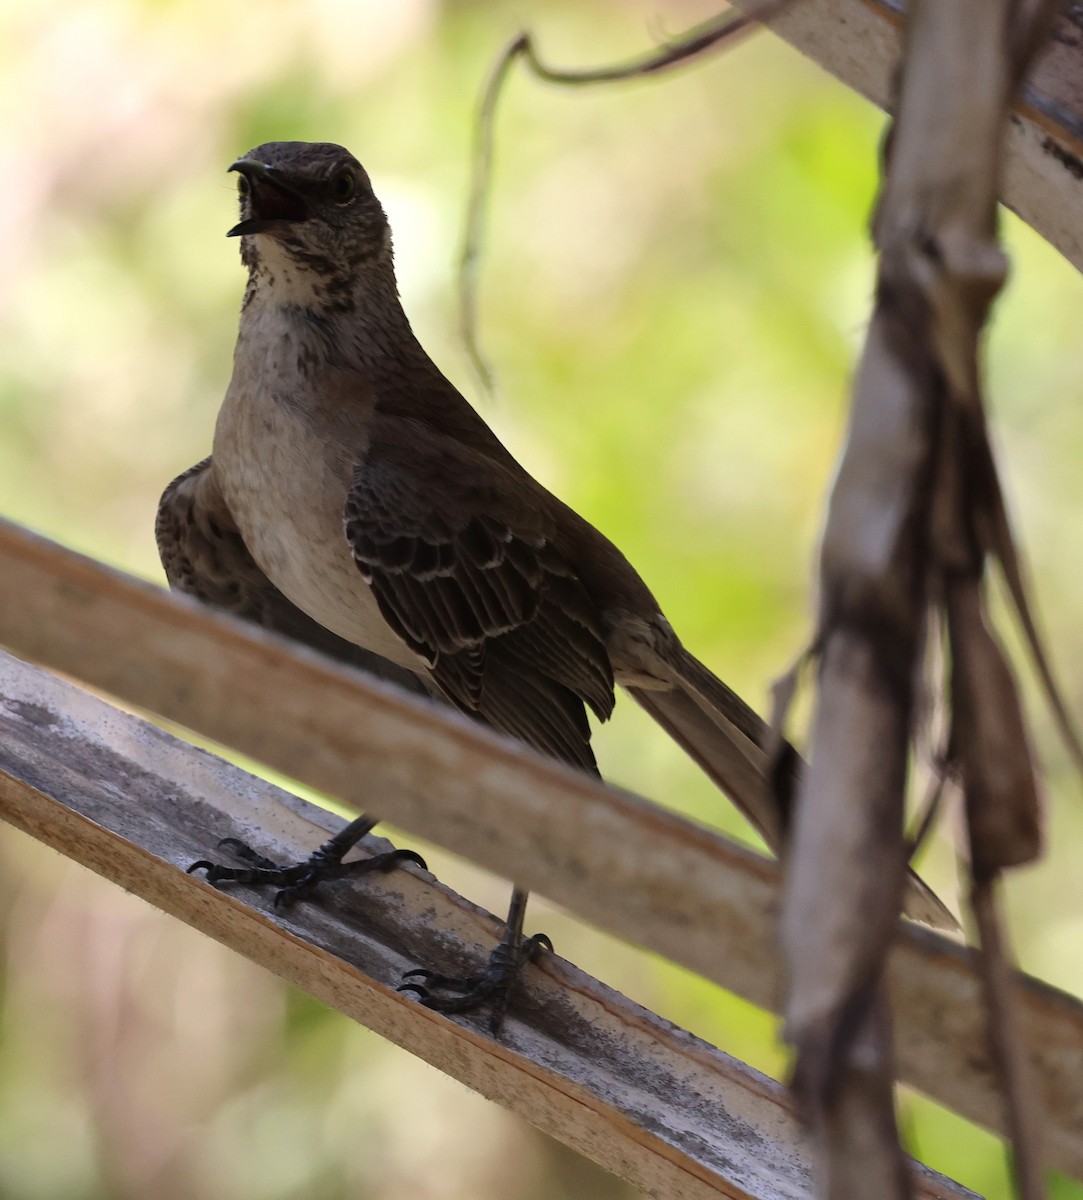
344, 185
243, 187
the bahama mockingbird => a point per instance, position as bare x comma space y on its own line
356, 501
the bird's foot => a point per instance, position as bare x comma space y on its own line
493, 986
298, 880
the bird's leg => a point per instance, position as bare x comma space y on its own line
301, 879
494, 984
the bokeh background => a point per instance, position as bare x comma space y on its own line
676, 283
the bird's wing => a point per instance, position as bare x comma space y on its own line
205, 556
464, 569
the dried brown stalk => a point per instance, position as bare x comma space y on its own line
1006, 1045
712, 34
915, 511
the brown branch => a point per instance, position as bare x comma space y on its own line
656, 1105
707, 903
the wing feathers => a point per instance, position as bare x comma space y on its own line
470, 579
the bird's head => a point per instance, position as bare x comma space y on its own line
309, 219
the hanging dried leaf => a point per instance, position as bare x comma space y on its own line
989, 741
1007, 1047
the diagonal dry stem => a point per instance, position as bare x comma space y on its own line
713, 34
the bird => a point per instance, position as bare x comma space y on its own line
354, 499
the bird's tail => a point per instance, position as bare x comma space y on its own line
727, 740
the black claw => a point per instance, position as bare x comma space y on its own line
383, 862
216, 873
301, 879
401, 856
493, 987
433, 979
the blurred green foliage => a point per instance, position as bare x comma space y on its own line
675, 285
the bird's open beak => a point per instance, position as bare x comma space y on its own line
274, 204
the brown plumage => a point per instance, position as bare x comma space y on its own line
356, 501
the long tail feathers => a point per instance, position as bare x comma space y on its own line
725, 738
732, 761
